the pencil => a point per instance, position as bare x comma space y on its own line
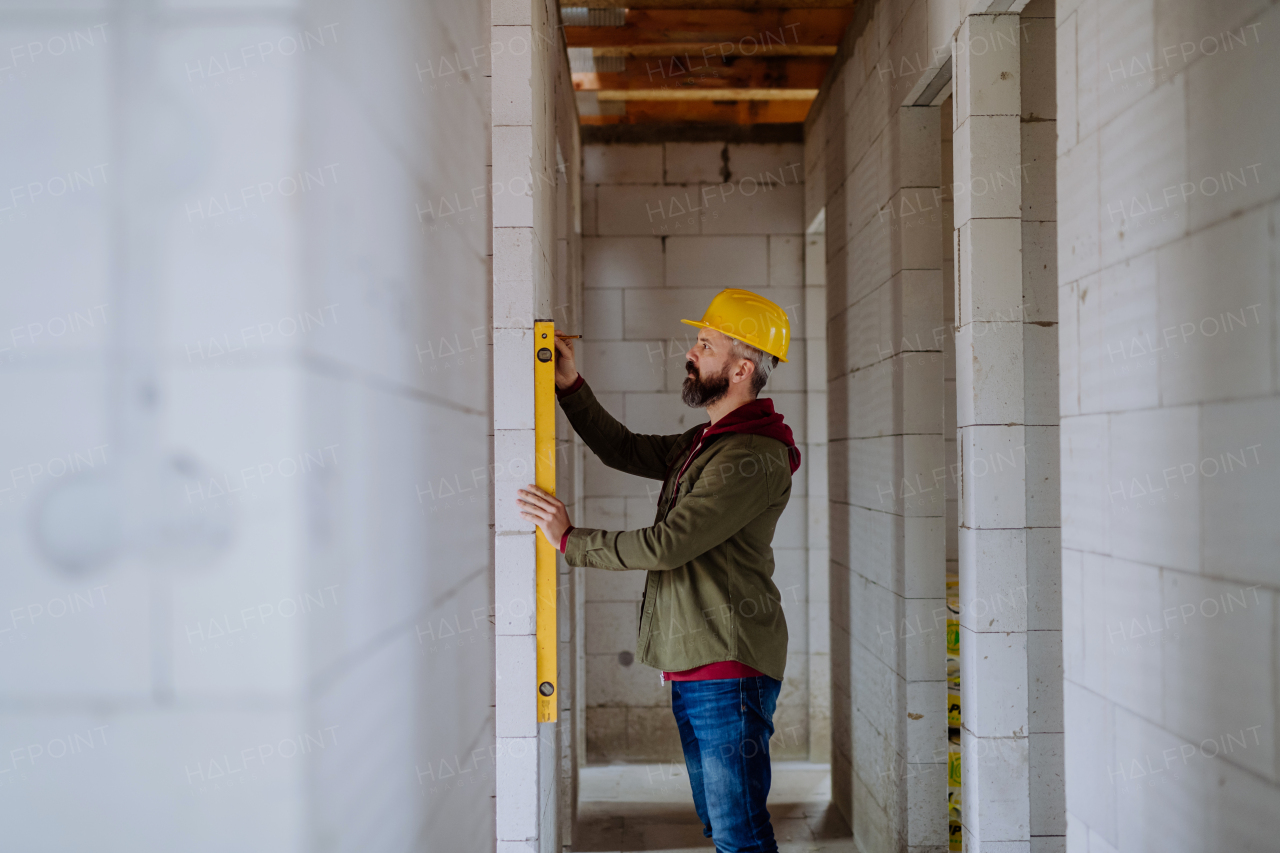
563, 337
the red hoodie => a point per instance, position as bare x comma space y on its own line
758, 418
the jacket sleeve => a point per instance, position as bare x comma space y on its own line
617, 446
730, 491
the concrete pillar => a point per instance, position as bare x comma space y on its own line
1006, 387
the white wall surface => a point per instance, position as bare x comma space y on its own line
1168, 179
258, 328
667, 227
1006, 384
876, 168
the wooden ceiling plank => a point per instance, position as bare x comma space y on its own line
748, 5
703, 63
713, 51
694, 71
675, 113
706, 94
744, 29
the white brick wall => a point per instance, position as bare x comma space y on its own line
877, 169
672, 232
536, 252
1006, 387
1168, 581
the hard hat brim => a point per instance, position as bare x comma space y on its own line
701, 325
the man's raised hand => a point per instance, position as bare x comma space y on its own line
566, 370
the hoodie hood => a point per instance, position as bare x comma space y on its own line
758, 418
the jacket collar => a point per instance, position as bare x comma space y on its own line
757, 417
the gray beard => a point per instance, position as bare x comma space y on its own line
698, 394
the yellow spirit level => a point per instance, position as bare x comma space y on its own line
544, 441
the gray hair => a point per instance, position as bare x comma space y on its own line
764, 363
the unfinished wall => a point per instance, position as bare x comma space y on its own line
667, 227
879, 166
1168, 178
279, 563
535, 195
1006, 387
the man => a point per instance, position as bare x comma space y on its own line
711, 617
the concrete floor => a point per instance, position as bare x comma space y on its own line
625, 807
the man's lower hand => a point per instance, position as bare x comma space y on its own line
546, 511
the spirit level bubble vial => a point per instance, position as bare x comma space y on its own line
544, 439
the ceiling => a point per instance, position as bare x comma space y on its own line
671, 69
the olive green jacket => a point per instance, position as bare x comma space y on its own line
709, 595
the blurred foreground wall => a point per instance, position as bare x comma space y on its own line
245, 583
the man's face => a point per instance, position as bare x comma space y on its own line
707, 368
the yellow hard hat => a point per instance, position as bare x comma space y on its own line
750, 318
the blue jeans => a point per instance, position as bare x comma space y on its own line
725, 726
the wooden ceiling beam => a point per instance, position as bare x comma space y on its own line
692, 94
744, 30
704, 49
674, 113
711, 63
749, 5
694, 71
